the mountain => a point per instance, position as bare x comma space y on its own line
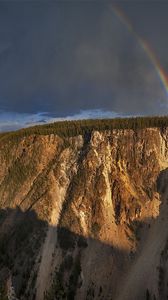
83, 211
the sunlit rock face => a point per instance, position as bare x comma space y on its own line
84, 217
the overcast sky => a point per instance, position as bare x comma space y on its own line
72, 59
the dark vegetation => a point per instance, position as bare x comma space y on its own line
95, 229
17, 174
66, 239
3, 292
67, 277
73, 128
19, 247
135, 228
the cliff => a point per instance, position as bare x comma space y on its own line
85, 216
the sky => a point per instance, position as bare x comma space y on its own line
78, 59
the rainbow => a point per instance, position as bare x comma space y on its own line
163, 76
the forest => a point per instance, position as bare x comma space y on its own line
73, 128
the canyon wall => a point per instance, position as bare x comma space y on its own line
85, 217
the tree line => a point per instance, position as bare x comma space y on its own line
73, 128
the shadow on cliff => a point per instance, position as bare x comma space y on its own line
147, 277
22, 235
162, 182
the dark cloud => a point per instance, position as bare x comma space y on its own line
63, 57
149, 20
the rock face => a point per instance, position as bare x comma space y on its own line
85, 217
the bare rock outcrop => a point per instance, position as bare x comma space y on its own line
86, 217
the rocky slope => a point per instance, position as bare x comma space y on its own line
85, 217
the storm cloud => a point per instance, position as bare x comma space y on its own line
65, 57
